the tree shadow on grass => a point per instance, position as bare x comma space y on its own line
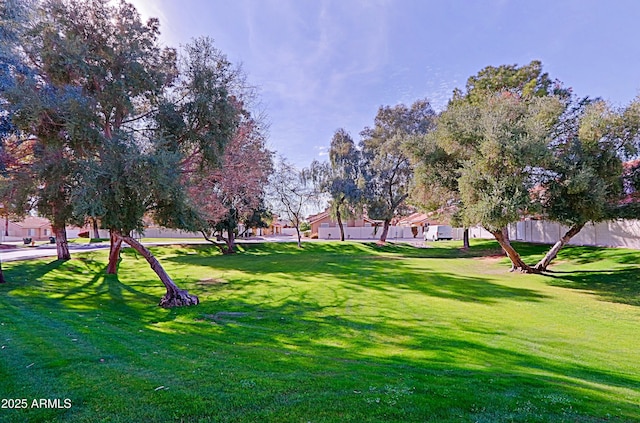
297, 341
384, 268
589, 255
394, 276
619, 286
107, 289
294, 343
77, 284
28, 272
388, 273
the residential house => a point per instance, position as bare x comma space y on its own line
418, 222
36, 228
324, 220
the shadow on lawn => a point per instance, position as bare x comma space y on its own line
352, 265
292, 344
23, 273
587, 255
376, 267
458, 368
619, 286
79, 283
396, 276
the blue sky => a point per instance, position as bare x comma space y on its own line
324, 65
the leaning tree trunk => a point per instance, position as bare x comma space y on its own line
340, 225
502, 237
385, 231
115, 246
553, 252
465, 239
175, 297
218, 245
62, 246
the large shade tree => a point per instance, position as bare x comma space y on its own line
489, 146
148, 153
386, 168
118, 120
116, 61
66, 74
584, 180
511, 137
128, 182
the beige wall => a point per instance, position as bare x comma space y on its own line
315, 226
617, 233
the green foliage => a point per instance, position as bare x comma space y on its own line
585, 180
109, 108
305, 226
467, 130
387, 170
525, 81
127, 182
105, 49
203, 110
342, 177
510, 137
335, 332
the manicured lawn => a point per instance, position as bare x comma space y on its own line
333, 333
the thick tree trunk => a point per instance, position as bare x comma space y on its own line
502, 236
2, 275
114, 251
62, 246
339, 219
465, 239
385, 231
6, 226
175, 297
96, 233
231, 242
553, 252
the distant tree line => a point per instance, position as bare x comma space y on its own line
514, 143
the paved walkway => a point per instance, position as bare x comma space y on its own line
49, 250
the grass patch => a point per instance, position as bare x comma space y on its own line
336, 332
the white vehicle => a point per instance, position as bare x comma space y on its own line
438, 232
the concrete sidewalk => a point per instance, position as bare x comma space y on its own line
47, 250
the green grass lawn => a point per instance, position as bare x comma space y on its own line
337, 332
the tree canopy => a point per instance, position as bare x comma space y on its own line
386, 168
119, 122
